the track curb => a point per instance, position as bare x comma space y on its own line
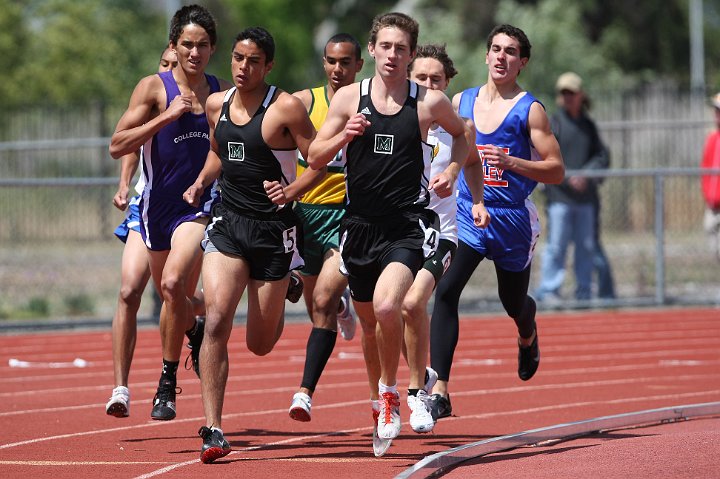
439, 463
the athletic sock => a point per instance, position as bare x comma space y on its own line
320, 346
386, 389
169, 372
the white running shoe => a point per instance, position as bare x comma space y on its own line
431, 378
421, 420
345, 317
300, 407
380, 445
389, 419
119, 403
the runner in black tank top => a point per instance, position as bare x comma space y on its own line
252, 241
387, 228
389, 159
247, 161
387, 193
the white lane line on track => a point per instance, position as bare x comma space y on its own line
283, 411
153, 384
78, 463
626, 331
457, 378
662, 355
101, 368
561, 341
164, 470
437, 464
453, 418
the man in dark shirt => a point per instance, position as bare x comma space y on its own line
571, 205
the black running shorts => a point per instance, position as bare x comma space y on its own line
267, 244
368, 245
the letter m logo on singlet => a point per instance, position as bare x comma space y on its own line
383, 144
493, 174
236, 151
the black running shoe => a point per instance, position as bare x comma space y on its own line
214, 444
528, 359
440, 406
195, 338
295, 288
164, 402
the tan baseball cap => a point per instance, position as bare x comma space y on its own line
569, 81
715, 100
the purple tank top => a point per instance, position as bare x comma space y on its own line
176, 154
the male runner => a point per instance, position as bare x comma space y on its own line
518, 150
254, 240
320, 211
433, 69
166, 116
135, 271
381, 124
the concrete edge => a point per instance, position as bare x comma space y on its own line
437, 464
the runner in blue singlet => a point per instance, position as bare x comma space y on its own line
518, 150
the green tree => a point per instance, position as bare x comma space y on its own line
560, 43
83, 51
300, 30
76, 52
14, 38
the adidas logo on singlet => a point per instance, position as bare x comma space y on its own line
222, 118
365, 111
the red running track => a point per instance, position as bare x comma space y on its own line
593, 364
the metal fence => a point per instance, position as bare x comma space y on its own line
58, 256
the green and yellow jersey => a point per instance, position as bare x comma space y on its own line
331, 191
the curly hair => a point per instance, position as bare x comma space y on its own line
512, 32
397, 20
196, 15
260, 37
438, 52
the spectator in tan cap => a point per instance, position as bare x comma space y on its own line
572, 206
711, 183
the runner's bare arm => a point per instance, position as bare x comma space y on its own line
340, 127
128, 166
302, 131
444, 115
213, 165
138, 124
550, 169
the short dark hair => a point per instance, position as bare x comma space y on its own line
397, 20
345, 38
438, 52
512, 32
260, 37
192, 14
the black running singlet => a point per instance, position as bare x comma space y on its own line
247, 161
388, 166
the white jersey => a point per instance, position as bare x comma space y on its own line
446, 208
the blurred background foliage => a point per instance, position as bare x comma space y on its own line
75, 52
